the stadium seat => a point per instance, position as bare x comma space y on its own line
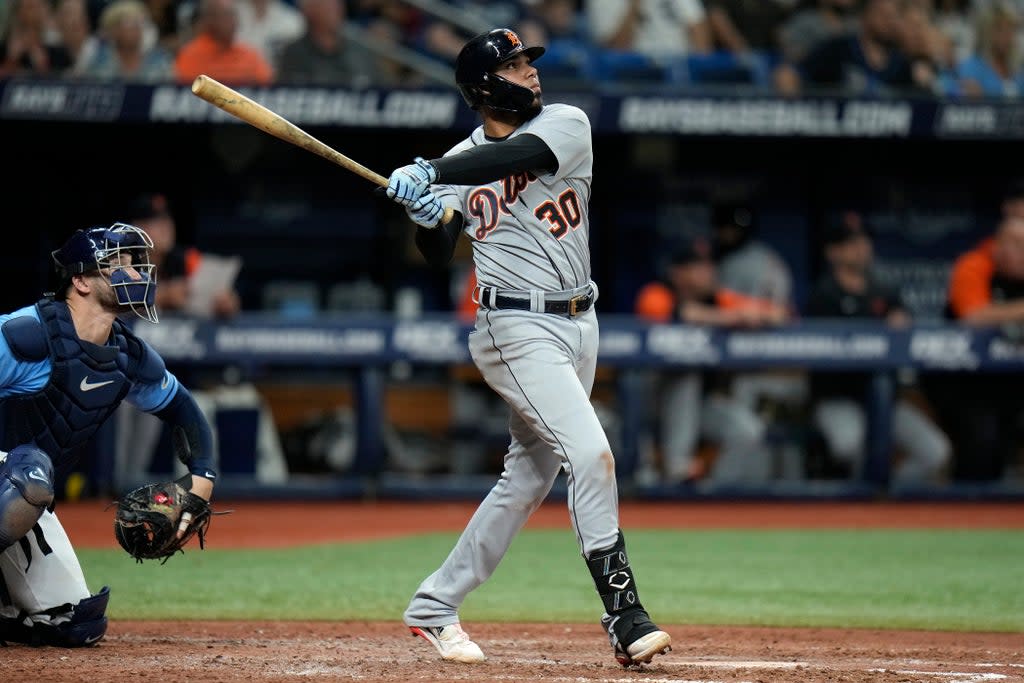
359, 295
292, 298
567, 62
627, 67
724, 68
717, 67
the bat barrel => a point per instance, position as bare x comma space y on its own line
255, 114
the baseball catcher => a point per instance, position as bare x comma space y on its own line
66, 363
156, 521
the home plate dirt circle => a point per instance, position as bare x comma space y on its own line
271, 652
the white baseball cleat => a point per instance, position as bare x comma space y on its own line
643, 649
451, 642
634, 637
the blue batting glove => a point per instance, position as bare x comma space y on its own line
409, 183
426, 211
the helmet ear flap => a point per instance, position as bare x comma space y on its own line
505, 95
473, 94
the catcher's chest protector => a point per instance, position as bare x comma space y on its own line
87, 383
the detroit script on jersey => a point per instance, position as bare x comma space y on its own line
532, 231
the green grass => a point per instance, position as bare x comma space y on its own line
941, 580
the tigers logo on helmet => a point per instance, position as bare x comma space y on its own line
514, 39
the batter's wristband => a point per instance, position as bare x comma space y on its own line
437, 170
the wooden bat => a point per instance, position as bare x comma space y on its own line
255, 114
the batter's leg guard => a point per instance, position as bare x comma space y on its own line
634, 637
86, 627
26, 489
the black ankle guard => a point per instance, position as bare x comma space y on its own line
614, 578
86, 627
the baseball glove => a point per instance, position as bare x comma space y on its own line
149, 518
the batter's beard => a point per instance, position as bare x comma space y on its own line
517, 118
535, 108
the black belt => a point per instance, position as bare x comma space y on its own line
580, 303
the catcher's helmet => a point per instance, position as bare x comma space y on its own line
112, 250
474, 71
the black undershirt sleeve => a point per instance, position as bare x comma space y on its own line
487, 163
477, 166
438, 244
191, 434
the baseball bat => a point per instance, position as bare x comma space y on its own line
255, 114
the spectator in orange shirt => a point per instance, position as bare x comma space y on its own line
691, 294
983, 412
698, 404
138, 435
214, 50
1013, 199
177, 263
986, 286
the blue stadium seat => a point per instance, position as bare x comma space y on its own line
566, 60
292, 298
718, 67
627, 67
723, 67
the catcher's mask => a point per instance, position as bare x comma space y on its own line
121, 253
474, 71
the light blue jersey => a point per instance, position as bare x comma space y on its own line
18, 377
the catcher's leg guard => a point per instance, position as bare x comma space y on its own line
633, 636
86, 626
26, 489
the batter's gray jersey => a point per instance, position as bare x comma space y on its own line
529, 231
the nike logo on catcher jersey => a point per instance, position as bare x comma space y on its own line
36, 473
86, 385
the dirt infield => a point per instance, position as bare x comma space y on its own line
284, 651
385, 652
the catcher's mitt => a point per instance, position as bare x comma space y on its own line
149, 518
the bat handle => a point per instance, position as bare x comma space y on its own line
447, 217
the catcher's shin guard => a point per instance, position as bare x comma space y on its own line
26, 489
86, 627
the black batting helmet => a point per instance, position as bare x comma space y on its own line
475, 65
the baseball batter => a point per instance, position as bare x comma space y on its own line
520, 187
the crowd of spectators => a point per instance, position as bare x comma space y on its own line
949, 48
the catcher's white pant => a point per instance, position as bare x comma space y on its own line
48, 577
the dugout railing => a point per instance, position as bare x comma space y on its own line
361, 354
